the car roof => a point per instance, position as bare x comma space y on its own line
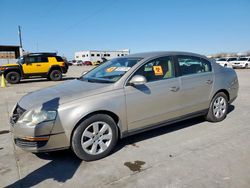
162, 53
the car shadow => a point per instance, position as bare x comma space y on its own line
230, 108
62, 167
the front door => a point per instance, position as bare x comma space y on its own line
158, 99
35, 65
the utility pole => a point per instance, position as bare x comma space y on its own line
20, 36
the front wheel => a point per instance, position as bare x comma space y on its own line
95, 137
55, 75
218, 108
13, 77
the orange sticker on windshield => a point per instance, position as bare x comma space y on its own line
158, 70
110, 69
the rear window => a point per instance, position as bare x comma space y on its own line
58, 58
193, 65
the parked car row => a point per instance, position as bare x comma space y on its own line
234, 62
80, 63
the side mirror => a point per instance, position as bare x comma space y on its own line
137, 80
27, 62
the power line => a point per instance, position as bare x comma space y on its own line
95, 13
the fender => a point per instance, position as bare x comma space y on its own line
16, 68
53, 67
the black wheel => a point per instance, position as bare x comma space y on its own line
218, 108
13, 77
225, 65
95, 137
246, 66
55, 75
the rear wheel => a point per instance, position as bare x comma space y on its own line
13, 77
246, 66
95, 137
55, 75
218, 108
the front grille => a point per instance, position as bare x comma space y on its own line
26, 143
18, 111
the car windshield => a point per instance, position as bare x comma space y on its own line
242, 59
222, 59
110, 71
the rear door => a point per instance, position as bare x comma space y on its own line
196, 83
158, 99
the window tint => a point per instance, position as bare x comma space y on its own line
58, 58
232, 59
36, 59
242, 59
158, 69
222, 59
193, 65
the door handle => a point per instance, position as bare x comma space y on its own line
209, 81
174, 89
38, 65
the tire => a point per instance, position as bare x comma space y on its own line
218, 108
13, 77
55, 75
225, 65
89, 144
246, 66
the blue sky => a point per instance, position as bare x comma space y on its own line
67, 26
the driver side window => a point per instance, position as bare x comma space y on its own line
157, 69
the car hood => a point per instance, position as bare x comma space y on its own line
62, 93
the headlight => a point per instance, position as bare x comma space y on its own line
34, 117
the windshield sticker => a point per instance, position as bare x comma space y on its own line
110, 69
124, 69
158, 70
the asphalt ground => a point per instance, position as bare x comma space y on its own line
192, 153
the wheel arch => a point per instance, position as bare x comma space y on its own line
54, 67
105, 112
223, 91
12, 70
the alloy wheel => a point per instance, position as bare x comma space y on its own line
219, 107
96, 138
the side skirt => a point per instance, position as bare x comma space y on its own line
161, 124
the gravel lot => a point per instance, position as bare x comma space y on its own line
193, 153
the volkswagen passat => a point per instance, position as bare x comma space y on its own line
121, 97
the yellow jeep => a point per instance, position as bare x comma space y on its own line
46, 65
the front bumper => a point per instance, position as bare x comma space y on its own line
40, 138
238, 66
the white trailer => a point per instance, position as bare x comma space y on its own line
98, 55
